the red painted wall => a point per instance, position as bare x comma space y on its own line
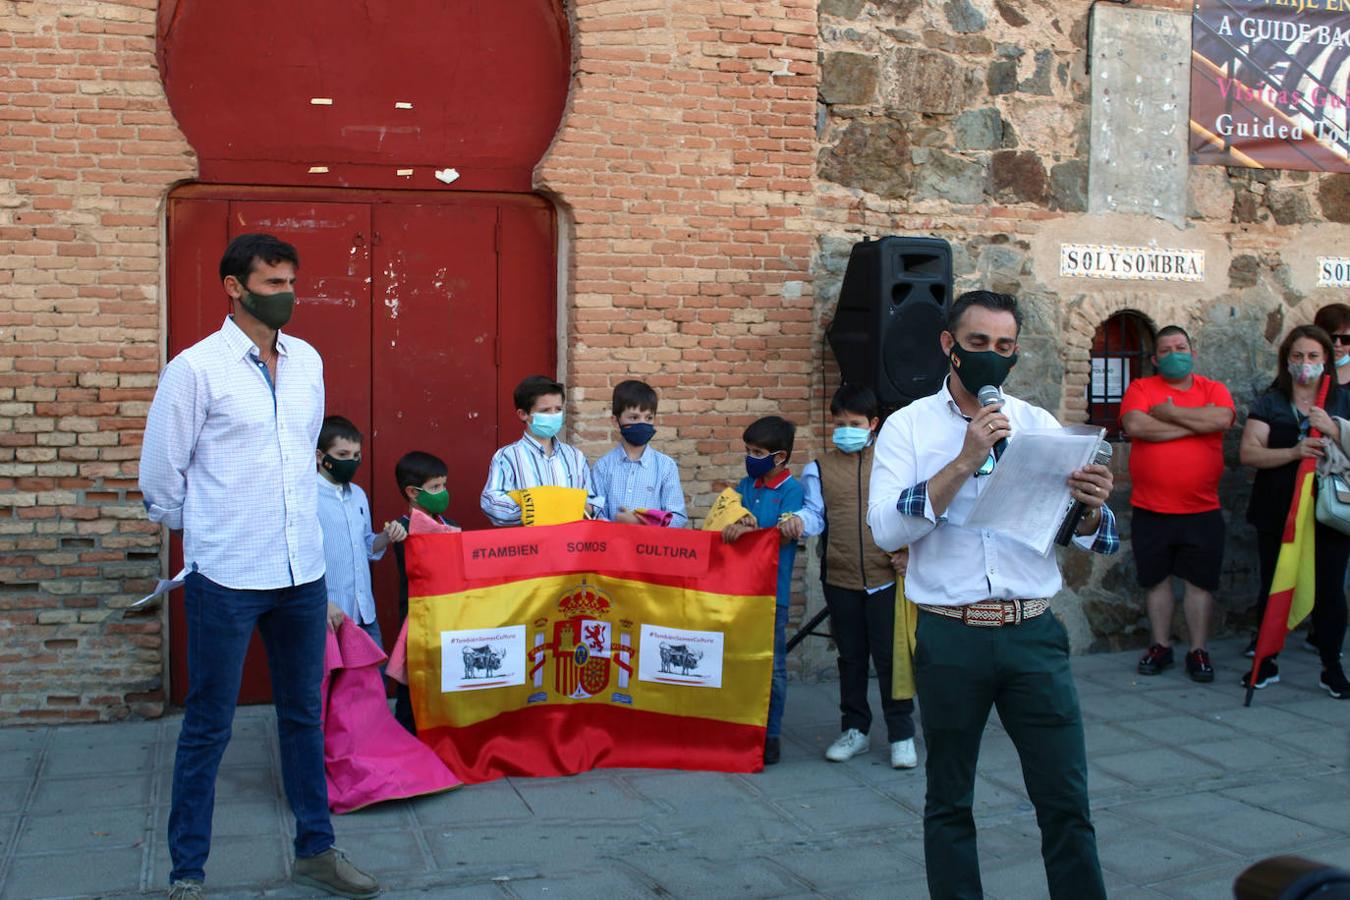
486, 82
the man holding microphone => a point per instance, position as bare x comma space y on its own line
985, 635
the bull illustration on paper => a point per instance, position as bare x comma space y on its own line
485, 659
679, 656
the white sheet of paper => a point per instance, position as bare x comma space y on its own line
162, 587
1027, 494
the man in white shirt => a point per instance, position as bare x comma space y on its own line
228, 460
985, 639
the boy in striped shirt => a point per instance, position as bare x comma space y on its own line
538, 458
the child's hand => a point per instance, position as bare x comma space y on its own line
394, 532
791, 528
732, 533
900, 561
335, 616
627, 517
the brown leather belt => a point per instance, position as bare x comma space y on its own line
991, 613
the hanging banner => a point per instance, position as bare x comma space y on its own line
556, 649
1268, 84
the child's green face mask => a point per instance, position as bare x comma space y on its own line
434, 503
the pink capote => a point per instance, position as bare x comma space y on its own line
368, 756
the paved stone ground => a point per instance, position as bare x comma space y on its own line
1188, 788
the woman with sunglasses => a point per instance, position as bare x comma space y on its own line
1334, 319
1275, 441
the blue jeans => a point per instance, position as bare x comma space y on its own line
292, 622
372, 630
778, 685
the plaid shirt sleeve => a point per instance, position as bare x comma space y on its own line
1106, 539
914, 501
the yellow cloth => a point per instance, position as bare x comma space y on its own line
549, 505
726, 509
1295, 568
902, 656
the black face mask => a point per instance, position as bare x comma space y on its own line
977, 368
342, 470
273, 310
638, 433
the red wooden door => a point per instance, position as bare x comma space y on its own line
402, 297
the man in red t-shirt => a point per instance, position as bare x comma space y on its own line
1176, 420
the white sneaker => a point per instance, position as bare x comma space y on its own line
903, 755
849, 745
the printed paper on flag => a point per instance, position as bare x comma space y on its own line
476, 659
680, 656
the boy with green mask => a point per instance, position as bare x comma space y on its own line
421, 481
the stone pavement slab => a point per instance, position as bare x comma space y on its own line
1188, 789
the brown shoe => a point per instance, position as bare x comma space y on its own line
330, 871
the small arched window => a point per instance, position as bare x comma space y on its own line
1121, 350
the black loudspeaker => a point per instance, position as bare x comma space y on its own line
892, 308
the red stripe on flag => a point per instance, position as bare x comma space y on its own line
437, 563
564, 739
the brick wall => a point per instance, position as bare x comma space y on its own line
683, 168
683, 171
88, 150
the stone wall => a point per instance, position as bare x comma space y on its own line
972, 120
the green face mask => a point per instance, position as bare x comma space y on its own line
979, 368
1175, 366
273, 310
433, 503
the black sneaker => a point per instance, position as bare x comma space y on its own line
1334, 683
1250, 652
1269, 673
1155, 660
1198, 667
773, 750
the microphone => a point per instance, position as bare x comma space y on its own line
1077, 510
988, 396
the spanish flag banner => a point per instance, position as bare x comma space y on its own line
1294, 586
556, 649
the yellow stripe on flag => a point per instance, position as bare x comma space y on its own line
1296, 568
745, 626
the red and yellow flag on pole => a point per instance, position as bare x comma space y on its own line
1294, 586
553, 650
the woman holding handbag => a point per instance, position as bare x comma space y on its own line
1274, 442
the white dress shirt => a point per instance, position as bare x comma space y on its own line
348, 545
949, 564
230, 462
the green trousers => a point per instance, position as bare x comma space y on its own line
1023, 671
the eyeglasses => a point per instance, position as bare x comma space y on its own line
987, 468
1341, 338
